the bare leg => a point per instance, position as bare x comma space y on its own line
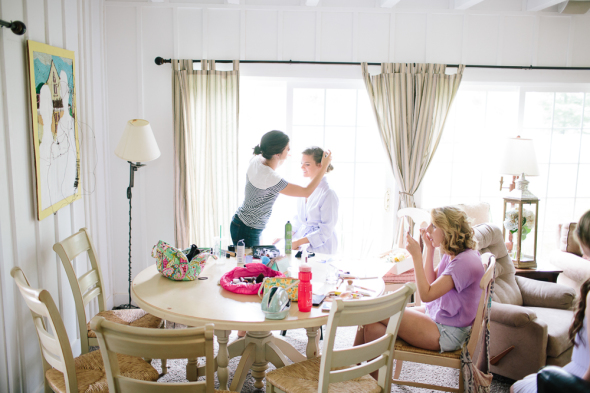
416, 328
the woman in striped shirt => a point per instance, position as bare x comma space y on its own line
264, 184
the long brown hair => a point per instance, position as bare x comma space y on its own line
582, 234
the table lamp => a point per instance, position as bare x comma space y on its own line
137, 145
519, 159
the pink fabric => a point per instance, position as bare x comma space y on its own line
250, 270
407, 276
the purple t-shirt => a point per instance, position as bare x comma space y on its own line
458, 306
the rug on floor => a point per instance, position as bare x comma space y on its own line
344, 338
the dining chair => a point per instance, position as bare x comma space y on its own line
62, 372
154, 343
404, 351
342, 369
90, 286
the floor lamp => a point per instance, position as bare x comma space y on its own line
137, 145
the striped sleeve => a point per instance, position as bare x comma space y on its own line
257, 207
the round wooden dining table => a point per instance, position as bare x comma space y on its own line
203, 301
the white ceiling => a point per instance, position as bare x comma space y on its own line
496, 6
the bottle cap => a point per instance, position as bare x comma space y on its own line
305, 268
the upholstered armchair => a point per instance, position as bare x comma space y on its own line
568, 257
529, 319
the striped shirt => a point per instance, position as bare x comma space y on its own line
263, 186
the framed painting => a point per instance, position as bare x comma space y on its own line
55, 127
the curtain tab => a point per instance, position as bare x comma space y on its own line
211, 65
236, 65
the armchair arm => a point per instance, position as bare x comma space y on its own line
511, 315
545, 294
573, 266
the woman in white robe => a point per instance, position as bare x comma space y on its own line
317, 215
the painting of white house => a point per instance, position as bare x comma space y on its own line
55, 130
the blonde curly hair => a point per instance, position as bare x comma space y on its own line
456, 226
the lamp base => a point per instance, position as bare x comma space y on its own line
522, 190
125, 307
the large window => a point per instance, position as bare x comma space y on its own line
334, 115
465, 167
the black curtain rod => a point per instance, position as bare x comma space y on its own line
160, 61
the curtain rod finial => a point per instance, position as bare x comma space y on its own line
159, 60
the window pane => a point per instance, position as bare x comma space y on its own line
587, 111
568, 109
342, 180
585, 146
308, 107
304, 137
369, 147
542, 140
538, 110
562, 180
341, 141
502, 113
366, 116
367, 216
341, 107
370, 180
538, 184
558, 210
582, 206
583, 181
565, 146
472, 106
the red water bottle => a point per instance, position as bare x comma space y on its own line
304, 296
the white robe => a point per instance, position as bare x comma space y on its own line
316, 219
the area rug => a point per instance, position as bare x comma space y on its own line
344, 338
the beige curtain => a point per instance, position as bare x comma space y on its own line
205, 150
411, 103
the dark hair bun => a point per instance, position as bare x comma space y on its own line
257, 150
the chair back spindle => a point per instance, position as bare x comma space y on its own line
55, 346
89, 285
343, 365
154, 343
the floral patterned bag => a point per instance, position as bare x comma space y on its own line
290, 284
173, 264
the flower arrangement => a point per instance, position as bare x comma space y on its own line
397, 256
511, 221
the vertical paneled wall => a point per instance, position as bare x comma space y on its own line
25, 242
355, 30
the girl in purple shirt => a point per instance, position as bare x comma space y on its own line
451, 290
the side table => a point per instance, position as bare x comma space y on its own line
543, 272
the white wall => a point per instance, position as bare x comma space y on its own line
24, 241
139, 31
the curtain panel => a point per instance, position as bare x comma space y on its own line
411, 103
206, 107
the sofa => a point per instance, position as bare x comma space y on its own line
529, 319
568, 257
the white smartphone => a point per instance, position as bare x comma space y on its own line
327, 306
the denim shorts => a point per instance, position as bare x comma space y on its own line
452, 338
239, 231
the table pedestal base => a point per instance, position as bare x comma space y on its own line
257, 349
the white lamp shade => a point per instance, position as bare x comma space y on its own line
519, 157
138, 143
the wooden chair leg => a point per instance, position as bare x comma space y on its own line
398, 368
461, 387
269, 388
164, 364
